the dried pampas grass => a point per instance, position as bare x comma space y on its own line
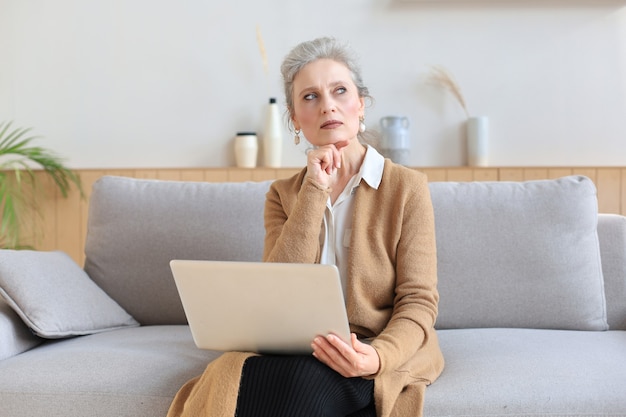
259, 40
441, 77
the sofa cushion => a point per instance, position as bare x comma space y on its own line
128, 372
528, 372
55, 297
519, 254
15, 336
137, 226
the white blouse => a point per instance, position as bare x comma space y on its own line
335, 239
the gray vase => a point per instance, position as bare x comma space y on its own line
395, 141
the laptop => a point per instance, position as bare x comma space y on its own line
275, 308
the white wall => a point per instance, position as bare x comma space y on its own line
164, 83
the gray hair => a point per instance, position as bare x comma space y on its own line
320, 48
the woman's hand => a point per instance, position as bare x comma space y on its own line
324, 161
356, 360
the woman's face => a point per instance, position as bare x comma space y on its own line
326, 103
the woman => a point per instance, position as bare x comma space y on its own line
374, 220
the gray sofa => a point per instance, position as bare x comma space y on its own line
532, 313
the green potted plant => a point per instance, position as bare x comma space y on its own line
20, 190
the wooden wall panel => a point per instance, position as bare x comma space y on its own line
45, 219
68, 225
460, 174
511, 174
192, 175
435, 174
608, 183
63, 224
216, 175
623, 193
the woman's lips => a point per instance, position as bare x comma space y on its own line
331, 124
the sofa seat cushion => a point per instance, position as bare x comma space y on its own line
519, 254
128, 372
526, 372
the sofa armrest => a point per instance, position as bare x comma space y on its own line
612, 236
15, 337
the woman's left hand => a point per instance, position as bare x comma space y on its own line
356, 360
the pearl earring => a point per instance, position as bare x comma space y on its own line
296, 138
362, 126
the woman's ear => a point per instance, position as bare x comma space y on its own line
296, 125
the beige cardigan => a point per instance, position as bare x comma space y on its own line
391, 291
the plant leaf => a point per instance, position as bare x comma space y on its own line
18, 182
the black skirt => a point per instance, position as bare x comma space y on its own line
300, 386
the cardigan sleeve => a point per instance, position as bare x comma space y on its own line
294, 212
416, 297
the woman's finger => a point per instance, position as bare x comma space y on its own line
338, 355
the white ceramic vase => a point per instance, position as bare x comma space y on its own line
478, 141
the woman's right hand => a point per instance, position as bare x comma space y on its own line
356, 359
323, 162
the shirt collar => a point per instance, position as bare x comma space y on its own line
372, 168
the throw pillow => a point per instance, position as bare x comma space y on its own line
14, 334
55, 297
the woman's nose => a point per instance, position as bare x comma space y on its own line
328, 105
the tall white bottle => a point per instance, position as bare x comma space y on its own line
272, 136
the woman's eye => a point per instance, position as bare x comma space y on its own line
310, 96
341, 90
